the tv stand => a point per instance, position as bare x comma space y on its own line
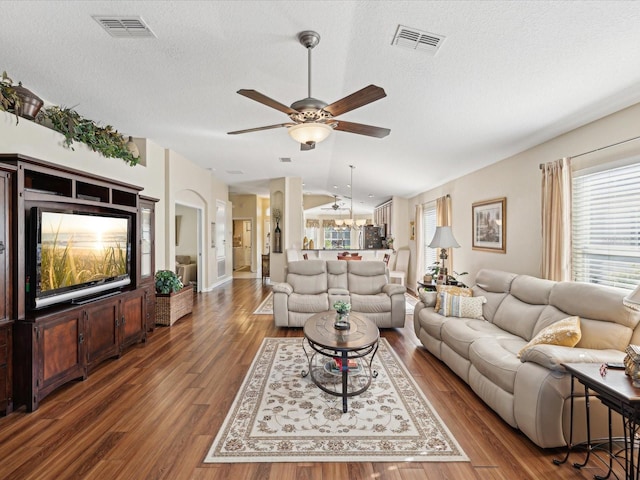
56, 344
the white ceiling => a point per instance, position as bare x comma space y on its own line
509, 75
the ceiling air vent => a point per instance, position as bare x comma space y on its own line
235, 172
285, 160
124, 27
417, 39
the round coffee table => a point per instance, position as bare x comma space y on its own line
344, 355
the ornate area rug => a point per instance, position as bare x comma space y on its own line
266, 307
279, 416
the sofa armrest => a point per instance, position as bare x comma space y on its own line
428, 298
553, 356
394, 289
282, 288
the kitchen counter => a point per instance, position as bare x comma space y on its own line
332, 254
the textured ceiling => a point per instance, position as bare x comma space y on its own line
508, 76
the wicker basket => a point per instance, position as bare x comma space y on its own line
173, 306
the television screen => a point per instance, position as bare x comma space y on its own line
77, 251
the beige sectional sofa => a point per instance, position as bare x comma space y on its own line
531, 393
313, 286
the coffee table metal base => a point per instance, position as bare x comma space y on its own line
329, 346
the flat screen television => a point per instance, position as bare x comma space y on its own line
77, 255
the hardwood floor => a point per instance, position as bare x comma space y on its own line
154, 412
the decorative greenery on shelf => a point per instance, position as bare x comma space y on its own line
167, 282
9, 99
104, 140
75, 128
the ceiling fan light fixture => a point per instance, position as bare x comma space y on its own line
312, 132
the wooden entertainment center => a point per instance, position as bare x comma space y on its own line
59, 343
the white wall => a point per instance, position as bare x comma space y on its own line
518, 178
187, 240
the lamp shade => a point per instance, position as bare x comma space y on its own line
310, 132
443, 238
633, 299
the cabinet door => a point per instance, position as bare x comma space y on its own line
101, 327
6, 402
151, 308
5, 293
147, 247
61, 351
133, 319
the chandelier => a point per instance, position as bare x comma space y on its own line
349, 223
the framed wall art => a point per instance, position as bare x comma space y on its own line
490, 225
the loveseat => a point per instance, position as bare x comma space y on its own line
313, 286
532, 392
186, 269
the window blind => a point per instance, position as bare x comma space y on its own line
606, 227
428, 231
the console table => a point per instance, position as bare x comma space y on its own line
616, 392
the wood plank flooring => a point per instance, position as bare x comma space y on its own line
154, 412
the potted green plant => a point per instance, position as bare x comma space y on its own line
173, 299
167, 282
9, 98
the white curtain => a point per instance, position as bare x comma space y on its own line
556, 220
419, 241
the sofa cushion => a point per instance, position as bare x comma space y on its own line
615, 322
183, 259
337, 274
495, 358
517, 317
565, 333
459, 334
308, 303
308, 277
495, 286
460, 306
451, 290
366, 278
377, 303
431, 322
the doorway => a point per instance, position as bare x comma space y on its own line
188, 248
242, 245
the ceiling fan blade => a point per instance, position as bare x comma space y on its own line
356, 100
269, 102
257, 129
362, 129
307, 146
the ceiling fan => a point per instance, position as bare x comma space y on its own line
313, 120
335, 205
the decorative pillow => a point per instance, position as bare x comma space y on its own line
565, 333
451, 290
459, 306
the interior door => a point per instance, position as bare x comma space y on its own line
220, 237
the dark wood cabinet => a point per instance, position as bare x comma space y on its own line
6, 387
133, 320
62, 342
147, 257
59, 343
102, 331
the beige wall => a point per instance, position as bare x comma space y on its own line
518, 179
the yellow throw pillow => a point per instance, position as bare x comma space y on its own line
451, 290
565, 333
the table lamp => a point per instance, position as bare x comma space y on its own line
443, 239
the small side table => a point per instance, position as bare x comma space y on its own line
616, 392
265, 267
428, 287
